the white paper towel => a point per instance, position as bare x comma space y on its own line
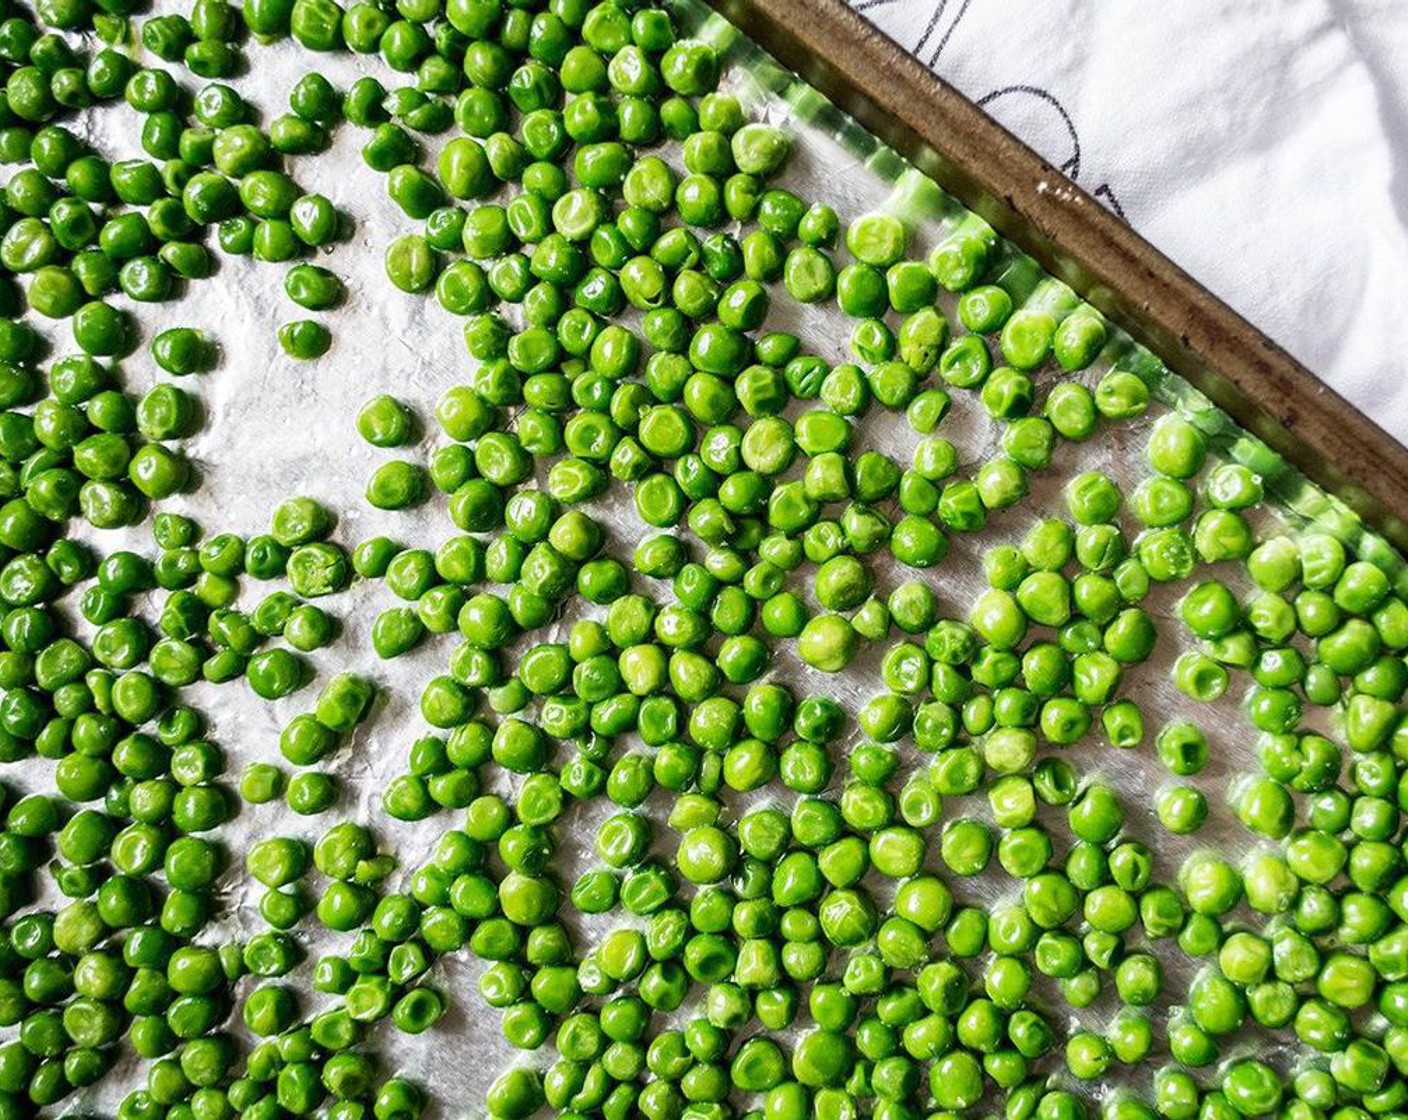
1262, 145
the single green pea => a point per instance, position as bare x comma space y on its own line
313, 287
305, 339
411, 264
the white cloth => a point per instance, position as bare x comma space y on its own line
1262, 144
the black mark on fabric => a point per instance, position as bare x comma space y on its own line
1107, 196
929, 27
1051, 131
1071, 164
952, 27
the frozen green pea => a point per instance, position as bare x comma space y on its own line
385, 421
876, 239
760, 149
305, 339
411, 264
313, 287
182, 351
1079, 338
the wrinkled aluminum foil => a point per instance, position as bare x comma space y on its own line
277, 427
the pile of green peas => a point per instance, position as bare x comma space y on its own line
1100, 625
81, 229
833, 908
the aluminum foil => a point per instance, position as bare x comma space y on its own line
276, 427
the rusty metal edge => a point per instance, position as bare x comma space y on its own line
1033, 204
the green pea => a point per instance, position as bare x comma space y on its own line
312, 287
304, 339
411, 264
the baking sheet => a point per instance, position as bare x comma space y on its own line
277, 427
